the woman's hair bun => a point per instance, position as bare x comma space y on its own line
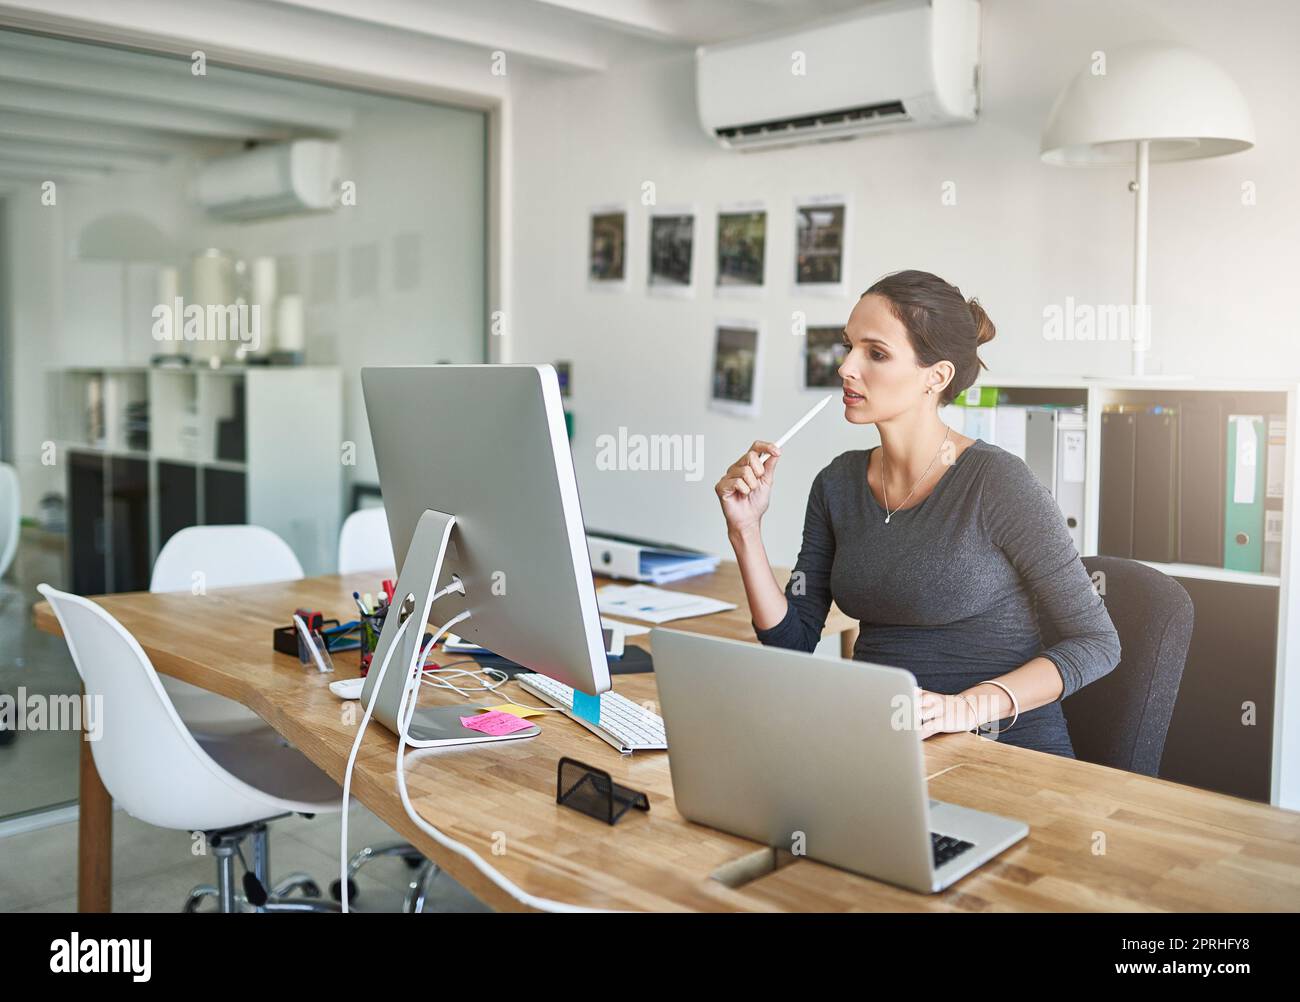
984, 329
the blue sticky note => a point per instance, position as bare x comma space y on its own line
586, 707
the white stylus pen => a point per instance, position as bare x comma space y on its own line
795, 428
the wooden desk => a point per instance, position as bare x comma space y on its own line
1099, 838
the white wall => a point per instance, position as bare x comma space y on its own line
1022, 236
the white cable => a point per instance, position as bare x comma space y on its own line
356, 744
489, 679
404, 715
435, 678
352, 761
418, 677
409, 689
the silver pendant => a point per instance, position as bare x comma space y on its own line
886, 520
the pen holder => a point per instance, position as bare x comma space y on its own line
371, 627
593, 792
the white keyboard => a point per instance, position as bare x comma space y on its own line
624, 724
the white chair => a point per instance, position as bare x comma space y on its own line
364, 544
231, 555
161, 773
10, 503
226, 556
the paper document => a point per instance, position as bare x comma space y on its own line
655, 605
627, 629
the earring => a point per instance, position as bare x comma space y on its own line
929, 390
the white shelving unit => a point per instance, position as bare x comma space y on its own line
1264, 592
278, 465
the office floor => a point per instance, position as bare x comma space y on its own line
154, 869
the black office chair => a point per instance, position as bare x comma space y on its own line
1122, 719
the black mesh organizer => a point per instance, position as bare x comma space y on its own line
593, 792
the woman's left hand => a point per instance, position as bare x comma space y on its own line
942, 714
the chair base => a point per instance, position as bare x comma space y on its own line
274, 903
417, 890
226, 844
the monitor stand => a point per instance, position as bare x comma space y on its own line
413, 599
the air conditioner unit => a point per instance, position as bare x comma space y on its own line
905, 64
273, 180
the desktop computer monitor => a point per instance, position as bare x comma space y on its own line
487, 445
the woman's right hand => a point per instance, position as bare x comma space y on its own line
746, 487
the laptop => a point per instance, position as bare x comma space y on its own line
814, 755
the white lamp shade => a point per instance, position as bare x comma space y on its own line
1184, 104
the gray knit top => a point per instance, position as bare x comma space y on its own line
952, 587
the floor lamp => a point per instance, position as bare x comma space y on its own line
1150, 101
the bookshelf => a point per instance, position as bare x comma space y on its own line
1236, 726
150, 451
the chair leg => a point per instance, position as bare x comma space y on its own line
403, 850
225, 854
197, 895
301, 905
363, 856
418, 892
303, 882
297, 881
262, 855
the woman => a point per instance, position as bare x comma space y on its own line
941, 545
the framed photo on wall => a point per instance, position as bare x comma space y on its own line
672, 251
823, 353
607, 247
742, 248
735, 376
821, 244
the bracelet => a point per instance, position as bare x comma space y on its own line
975, 710
1015, 703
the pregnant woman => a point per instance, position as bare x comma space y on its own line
947, 549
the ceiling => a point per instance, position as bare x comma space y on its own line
77, 112
578, 35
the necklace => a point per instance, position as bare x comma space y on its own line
885, 477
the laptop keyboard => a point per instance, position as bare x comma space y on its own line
947, 848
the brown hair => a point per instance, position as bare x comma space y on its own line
941, 324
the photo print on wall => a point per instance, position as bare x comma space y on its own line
672, 251
742, 247
824, 352
735, 375
820, 251
607, 246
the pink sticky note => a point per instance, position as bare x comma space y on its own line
496, 722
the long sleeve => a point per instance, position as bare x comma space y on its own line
1023, 519
808, 592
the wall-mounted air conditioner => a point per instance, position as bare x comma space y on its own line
272, 180
905, 64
